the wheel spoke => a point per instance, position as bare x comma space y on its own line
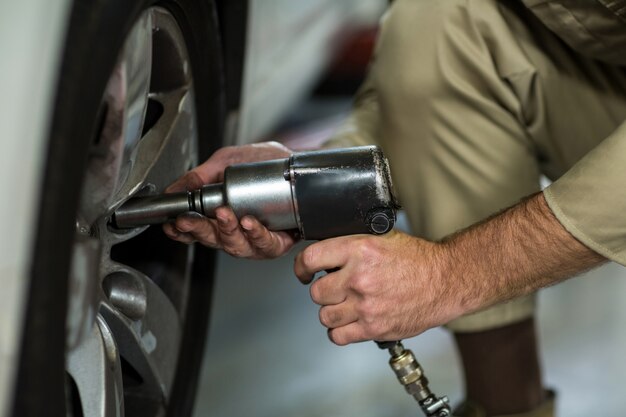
167, 148
122, 115
106, 154
166, 151
147, 328
95, 367
136, 64
82, 301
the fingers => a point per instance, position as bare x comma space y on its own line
349, 333
199, 228
320, 256
233, 239
212, 170
225, 232
334, 316
173, 233
192, 227
250, 238
192, 180
329, 289
338, 312
267, 244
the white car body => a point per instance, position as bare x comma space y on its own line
31, 41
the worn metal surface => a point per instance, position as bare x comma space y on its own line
124, 325
342, 192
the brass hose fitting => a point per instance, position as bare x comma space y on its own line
411, 376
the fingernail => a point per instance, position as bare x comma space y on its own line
246, 224
222, 220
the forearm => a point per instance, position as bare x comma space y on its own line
396, 286
513, 253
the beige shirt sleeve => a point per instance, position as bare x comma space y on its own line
590, 199
362, 125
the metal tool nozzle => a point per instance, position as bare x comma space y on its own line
141, 211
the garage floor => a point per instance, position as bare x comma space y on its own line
267, 354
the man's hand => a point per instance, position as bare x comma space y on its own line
397, 286
382, 288
246, 237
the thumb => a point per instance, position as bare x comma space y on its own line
189, 181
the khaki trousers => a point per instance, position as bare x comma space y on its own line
472, 100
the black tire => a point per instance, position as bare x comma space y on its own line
97, 30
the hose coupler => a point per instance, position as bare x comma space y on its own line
411, 375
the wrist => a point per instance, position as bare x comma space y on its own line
459, 270
511, 254
448, 290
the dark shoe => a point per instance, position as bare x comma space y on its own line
469, 409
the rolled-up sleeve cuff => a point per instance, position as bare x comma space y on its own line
590, 199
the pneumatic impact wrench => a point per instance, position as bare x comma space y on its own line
321, 194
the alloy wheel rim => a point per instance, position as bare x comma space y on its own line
124, 326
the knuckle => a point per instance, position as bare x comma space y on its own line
208, 239
228, 229
363, 284
235, 251
329, 318
367, 247
308, 256
263, 242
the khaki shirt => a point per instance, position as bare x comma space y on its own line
596, 28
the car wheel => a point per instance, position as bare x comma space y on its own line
116, 319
